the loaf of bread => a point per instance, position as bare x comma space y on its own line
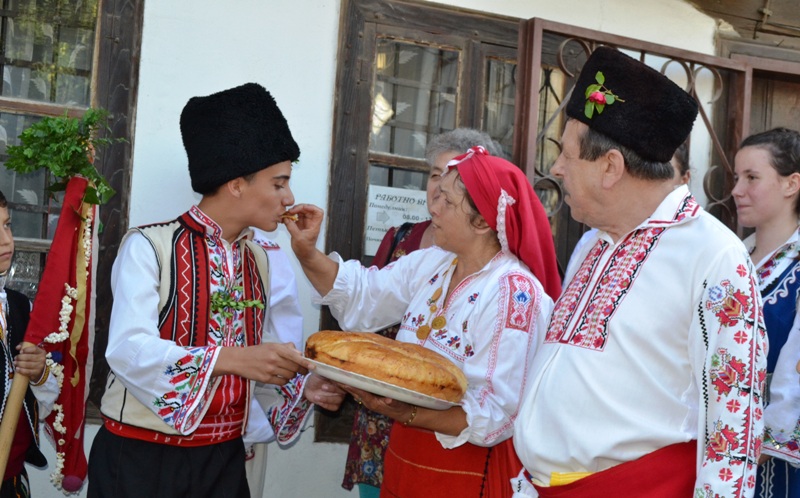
400, 364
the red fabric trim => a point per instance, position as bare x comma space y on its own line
417, 466
185, 278
184, 318
666, 473
202, 297
142, 434
253, 290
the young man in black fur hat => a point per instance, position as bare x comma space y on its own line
649, 379
202, 312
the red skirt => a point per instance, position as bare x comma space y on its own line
416, 466
666, 473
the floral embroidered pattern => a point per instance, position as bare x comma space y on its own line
736, 383
288, 416
729, 304
447, 339
766, 269
520, 303
454, 342
183, 375
417, 320
729, 374
688, 208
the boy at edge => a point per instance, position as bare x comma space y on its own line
197, 316
43, 389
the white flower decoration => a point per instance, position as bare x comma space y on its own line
70, 294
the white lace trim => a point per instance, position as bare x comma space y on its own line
467, 155
503, 202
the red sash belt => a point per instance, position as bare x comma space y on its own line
133, 432
416, 466
666, 473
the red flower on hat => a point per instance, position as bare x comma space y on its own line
598, 96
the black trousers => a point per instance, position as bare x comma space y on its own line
121, 467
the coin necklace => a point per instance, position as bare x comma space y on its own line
435, 323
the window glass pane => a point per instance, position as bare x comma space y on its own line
414, 96
48, 48
414, 99
25, 271
498, 109
34, 213
388, 176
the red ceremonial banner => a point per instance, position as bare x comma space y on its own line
62, 323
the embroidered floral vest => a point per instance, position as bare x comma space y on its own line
184, 316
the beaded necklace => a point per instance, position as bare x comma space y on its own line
437, 322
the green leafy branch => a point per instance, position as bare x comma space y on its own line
225, 303
66, 147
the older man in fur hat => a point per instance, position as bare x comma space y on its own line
649, 379
202, 310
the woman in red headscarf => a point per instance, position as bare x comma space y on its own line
478, 297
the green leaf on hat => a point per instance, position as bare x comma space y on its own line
600, 78
589, 109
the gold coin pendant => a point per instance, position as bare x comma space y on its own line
422, 332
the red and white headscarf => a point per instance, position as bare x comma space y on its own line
509, 205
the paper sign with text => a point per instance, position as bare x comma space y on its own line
389, 207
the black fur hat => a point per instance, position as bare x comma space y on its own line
233, 133
633, 104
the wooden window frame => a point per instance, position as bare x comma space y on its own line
117, 83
